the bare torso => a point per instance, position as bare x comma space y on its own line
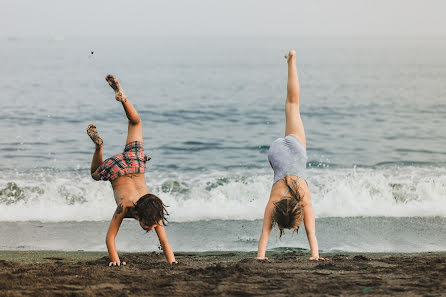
127, 189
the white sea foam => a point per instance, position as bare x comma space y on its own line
388, 191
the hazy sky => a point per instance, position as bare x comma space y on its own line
222, 17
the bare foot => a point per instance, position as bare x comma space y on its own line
291, 54
119, 93
116, 264
93, 133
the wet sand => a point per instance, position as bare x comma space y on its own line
221, 274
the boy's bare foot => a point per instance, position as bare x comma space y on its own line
93, 133
291, 54
119, 93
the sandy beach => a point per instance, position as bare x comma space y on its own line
45, 273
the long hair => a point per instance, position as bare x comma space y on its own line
288, 212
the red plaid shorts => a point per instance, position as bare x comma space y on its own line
130, 161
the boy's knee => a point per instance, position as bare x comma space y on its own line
135, 122
95, 176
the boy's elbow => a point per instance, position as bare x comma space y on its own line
109, 239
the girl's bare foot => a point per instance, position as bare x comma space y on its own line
291, 54
93, 133
119, 93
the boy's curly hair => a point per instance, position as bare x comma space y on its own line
151, 210
288, 212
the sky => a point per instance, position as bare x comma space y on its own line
19, 18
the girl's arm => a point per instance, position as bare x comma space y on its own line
167, 249
310, 228
115, 223
266, 231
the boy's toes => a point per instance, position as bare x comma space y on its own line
119, 93
113, 82
110, 78
291, 53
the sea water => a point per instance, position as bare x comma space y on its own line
374, 113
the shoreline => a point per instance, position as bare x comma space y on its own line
47, 256
383, 234
52, 273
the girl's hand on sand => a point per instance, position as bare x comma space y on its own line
262, 258
116, 264
174, 262
318, 259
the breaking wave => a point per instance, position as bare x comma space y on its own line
392, 191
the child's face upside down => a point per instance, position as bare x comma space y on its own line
147, 228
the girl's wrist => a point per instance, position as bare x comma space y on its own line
114, 259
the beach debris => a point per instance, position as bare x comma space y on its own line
361, 258
54, 258
173, 186
72, 195
219, 182
363, 267
12, 193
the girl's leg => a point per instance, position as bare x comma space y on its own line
135, 125
294, 125
97, 156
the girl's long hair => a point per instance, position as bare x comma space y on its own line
288, 212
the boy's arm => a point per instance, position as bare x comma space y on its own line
266, 231
115, 223
167, 249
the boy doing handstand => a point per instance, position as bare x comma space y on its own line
125, 172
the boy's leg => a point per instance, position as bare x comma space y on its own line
294, 125
135, 125
97, 156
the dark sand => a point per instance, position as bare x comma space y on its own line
221, 274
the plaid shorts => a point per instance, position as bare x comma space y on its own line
130, 161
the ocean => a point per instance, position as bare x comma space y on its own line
374, 113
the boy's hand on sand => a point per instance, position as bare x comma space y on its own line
116, 264
318, 259
262, 258
174, 262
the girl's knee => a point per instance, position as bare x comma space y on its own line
293, 98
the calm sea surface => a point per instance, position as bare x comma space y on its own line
374, 113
